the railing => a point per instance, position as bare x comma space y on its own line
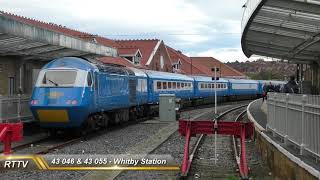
14, 109
296, 118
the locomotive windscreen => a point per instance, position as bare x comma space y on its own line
62, 78
59, 77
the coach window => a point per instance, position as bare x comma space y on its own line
164, 85
189, 85
205, 86
174, 85
209, 86
182, 85
169, 85
158, 85
178, 85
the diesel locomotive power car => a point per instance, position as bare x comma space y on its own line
72, 92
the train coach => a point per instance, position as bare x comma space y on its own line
169, 83
243, 89
72, 92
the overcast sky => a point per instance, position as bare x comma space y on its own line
196, 27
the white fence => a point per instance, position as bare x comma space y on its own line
296, 118
11, 106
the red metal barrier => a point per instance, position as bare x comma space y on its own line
240, 130
10, 132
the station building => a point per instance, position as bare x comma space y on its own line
27, 44
288, 31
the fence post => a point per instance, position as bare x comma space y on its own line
7, 111
304, 100
268, 128
1, 112
19, 107
285, 139
275, 123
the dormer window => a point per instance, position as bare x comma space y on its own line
132, 55
177, 65
137, 58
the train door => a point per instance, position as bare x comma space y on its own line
132, 90
95, 89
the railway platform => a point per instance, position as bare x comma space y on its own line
283, 158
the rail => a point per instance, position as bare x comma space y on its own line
295, 118
14, 109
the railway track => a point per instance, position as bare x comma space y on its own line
205, 164
202, 113
48, 144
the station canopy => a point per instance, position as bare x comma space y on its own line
282, 29
30, 42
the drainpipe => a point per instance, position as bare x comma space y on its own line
21, 72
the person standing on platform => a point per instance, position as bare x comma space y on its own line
291, 86
265, 91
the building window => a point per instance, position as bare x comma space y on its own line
176, 66
129, 58
137, 58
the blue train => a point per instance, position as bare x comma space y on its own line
72, 92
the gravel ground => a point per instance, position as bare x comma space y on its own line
174, 146
115, 142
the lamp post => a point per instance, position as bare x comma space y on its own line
215, 69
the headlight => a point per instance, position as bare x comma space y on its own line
34, 102
73, 102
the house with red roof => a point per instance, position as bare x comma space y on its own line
225, 70
201, 65
183, 64
145, 53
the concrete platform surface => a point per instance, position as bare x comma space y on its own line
275, 150
258, 114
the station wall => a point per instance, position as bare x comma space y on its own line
10, 69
